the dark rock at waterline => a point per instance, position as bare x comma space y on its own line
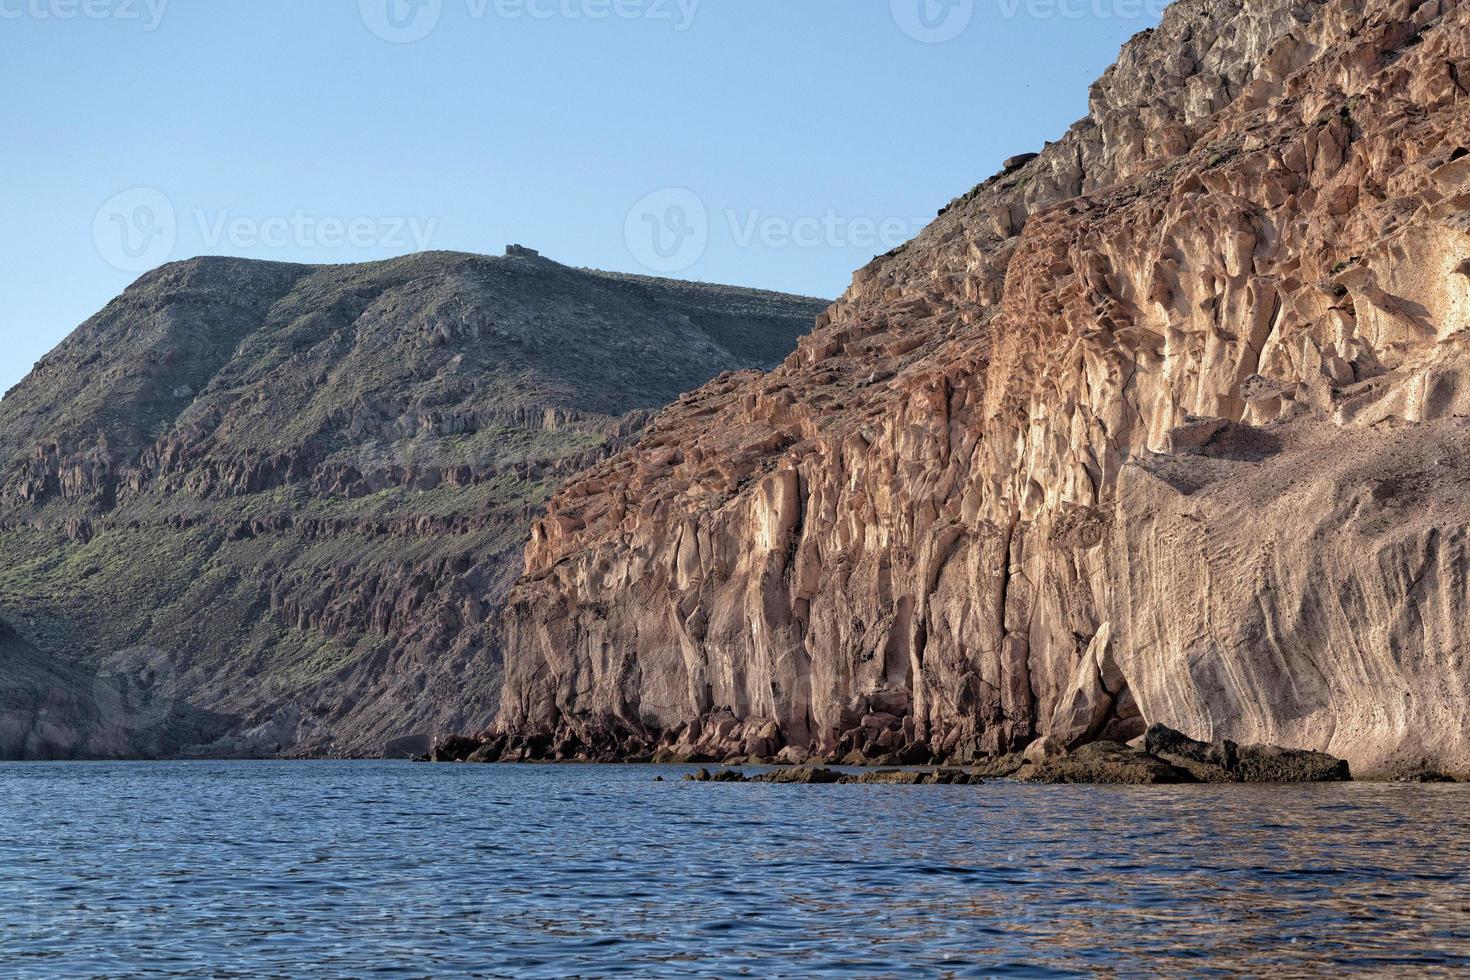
723, 776
909, 777
1168, 756
800, 774
454, 748
1104, 763
484, 754
1426, 776
813, 775
1225, 762
891, 777
407, 747
1162, 756
1270, 764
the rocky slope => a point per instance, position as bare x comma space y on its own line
285, 502
54, 710
1166, 424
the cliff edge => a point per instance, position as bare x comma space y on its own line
1165, 425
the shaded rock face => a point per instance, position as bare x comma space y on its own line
1164, 425
295, 496
53, 710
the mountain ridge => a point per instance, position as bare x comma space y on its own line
291, 495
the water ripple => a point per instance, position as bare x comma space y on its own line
390, 869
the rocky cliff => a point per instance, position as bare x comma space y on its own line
277, 507
1166, 424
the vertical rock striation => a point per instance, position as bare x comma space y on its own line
1165, 425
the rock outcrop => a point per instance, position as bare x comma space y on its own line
1164, 425
815, 776
294, 497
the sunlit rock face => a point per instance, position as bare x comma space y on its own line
1166, 425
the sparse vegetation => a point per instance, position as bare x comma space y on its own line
346, 445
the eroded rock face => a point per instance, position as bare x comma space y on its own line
1164, 425
296, 496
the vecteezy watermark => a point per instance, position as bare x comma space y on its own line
937, 21
1083, 9
302, 230
401, 21
148, 13
670, 230
136, 691
138, 230
406, 21
933, 21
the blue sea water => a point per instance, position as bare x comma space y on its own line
395, 869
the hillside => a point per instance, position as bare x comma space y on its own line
292, 497
1164, 424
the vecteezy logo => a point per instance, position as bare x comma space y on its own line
135, 692
933, 21
668, 230
135, 231
401, 21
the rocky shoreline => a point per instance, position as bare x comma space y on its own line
1160, 756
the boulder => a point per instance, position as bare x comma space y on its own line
722, 776
801, 774
454, 748
1042, 749
485, 754
792, 755
1426, 776
1104, 762
1223, 761
889, 777
729, 776
911, 777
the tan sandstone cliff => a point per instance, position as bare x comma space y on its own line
1165, 425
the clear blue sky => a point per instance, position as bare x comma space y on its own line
772, 143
